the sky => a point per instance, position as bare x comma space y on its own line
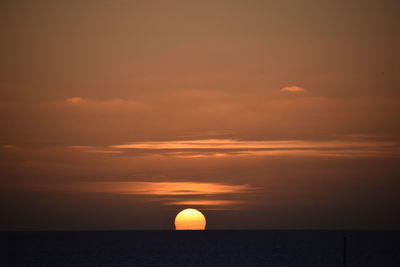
117, 114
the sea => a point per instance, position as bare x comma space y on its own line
275, 248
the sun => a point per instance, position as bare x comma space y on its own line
190, 219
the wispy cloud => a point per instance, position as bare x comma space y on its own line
293, 88
236, 144
93, 149
168, 193
114, 103
216, 202
8, 146
160, 188
75, 100
231, 147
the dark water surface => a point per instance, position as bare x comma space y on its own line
201, 248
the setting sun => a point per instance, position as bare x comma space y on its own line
190, 219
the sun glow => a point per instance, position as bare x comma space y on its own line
190, 219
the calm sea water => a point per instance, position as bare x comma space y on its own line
201, 248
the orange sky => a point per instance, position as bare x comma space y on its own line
261, 114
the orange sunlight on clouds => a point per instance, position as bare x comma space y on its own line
293, 89
189, 193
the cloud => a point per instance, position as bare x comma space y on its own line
293, 88
160, 188
182, 193
8, 146
202, 148
216, 202
75, 100
110, 104
92, 149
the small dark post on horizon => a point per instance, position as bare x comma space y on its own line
344, 251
